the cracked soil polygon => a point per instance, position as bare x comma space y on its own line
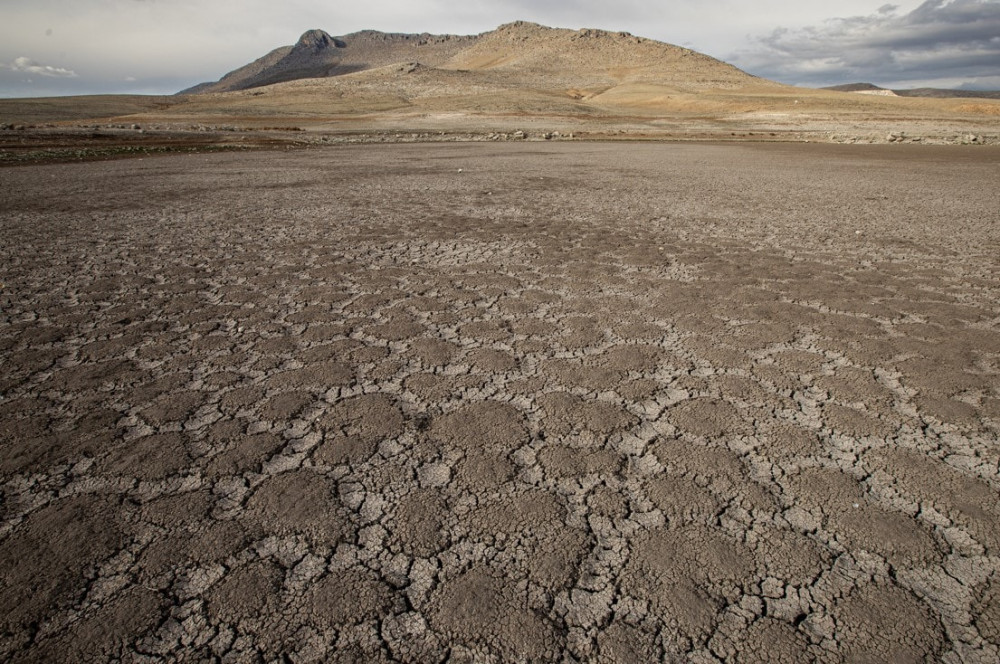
567, 402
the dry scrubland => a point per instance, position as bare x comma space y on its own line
517, 402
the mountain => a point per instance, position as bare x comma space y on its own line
318, 55
528, 78
560, 58
934, 93
856, 87
588, 60
521, 69
940, 93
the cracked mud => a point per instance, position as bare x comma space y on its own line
576, 402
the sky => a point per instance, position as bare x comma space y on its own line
63, 47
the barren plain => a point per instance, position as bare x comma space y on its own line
567, 402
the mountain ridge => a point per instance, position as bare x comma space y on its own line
523, 75
319, 55
586, 57
586, 62
934, 93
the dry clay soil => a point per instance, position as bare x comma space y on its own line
519, 402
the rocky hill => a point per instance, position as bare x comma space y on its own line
585, 62
520, 69
856, 87
318, 55
591, 58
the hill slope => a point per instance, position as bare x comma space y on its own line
561, 58
520, 52
519, 69
318, 55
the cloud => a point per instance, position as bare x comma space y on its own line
949, 42
29, 66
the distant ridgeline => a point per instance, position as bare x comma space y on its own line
870, 89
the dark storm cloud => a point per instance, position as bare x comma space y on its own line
944, 42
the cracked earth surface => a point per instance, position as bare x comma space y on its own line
578, 402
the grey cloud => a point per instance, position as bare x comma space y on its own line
29, 66
947, 41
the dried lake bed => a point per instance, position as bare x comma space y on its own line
609, 402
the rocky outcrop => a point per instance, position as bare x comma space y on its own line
318, 55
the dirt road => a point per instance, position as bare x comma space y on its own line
513, 402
